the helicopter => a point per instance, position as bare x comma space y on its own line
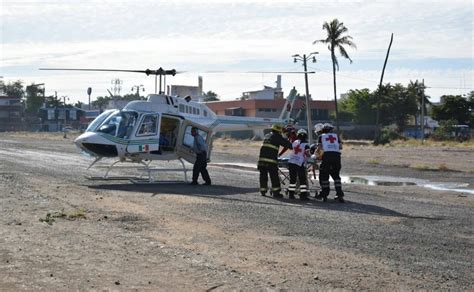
158, 128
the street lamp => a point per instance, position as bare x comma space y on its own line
304, 59
64, 108
137, 87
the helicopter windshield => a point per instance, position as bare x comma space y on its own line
120, 124
97, 121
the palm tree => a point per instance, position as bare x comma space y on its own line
336, 40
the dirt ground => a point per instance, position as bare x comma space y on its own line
62, 231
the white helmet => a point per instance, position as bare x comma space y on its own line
328, 127
318, 128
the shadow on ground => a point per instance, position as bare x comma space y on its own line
251, 195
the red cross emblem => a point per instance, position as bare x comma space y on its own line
331, 139
297, 149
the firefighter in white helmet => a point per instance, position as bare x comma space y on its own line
331, 146
297, 165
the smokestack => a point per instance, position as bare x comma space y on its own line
278, 82
200, 85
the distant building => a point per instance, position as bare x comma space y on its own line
267, 93
57, 118
12, 113
183, 90
320, 109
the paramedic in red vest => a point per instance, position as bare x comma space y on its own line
331, 146
297, 165
268, 160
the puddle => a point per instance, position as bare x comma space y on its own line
401, 181
376, 180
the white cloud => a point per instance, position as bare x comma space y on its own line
197, 36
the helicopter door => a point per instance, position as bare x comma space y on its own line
184, 147
146, 138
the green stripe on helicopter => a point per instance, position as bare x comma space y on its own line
128, 142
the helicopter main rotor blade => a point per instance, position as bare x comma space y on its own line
283, 72
159, 71
252, 72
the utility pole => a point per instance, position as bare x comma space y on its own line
305, 58
64, 109
422, 120
89, 91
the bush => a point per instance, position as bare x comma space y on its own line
388, 134
444, 131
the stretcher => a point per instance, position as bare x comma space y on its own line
312, 168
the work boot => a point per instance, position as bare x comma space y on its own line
339, 197
304, 197
318, 196
208, 183
263, 193
291, 195
277, 195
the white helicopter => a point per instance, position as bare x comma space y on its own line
158, 128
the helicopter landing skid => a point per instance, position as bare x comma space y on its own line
109, 168
151, 180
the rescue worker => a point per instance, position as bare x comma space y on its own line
329, 143
268, 160
297, 165
290, 133
318, 128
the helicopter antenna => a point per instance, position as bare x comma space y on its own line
158, 72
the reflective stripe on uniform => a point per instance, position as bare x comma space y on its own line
337, 183
276, 189
263, 189
292, 187
303, 188
263, 159
271, 146
325, 183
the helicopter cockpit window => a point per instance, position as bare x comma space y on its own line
98, 121
119, 124
189, 139
148, 126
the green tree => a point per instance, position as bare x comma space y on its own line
101, 102
131, 97
396, 105
13, 89
79, 104
360, 104
454, 107
417, 89
34, 98
210, 96
336, 40
53, 101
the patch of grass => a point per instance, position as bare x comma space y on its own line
421, 167
77, 214
51, 216
432, 143
444, 167
48, 219
374, 161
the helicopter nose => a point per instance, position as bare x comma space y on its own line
96, 145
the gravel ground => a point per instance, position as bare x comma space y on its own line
116, 235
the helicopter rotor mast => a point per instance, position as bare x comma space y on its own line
159, 72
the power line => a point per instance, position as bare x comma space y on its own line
363, 79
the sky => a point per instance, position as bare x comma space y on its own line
433, 41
